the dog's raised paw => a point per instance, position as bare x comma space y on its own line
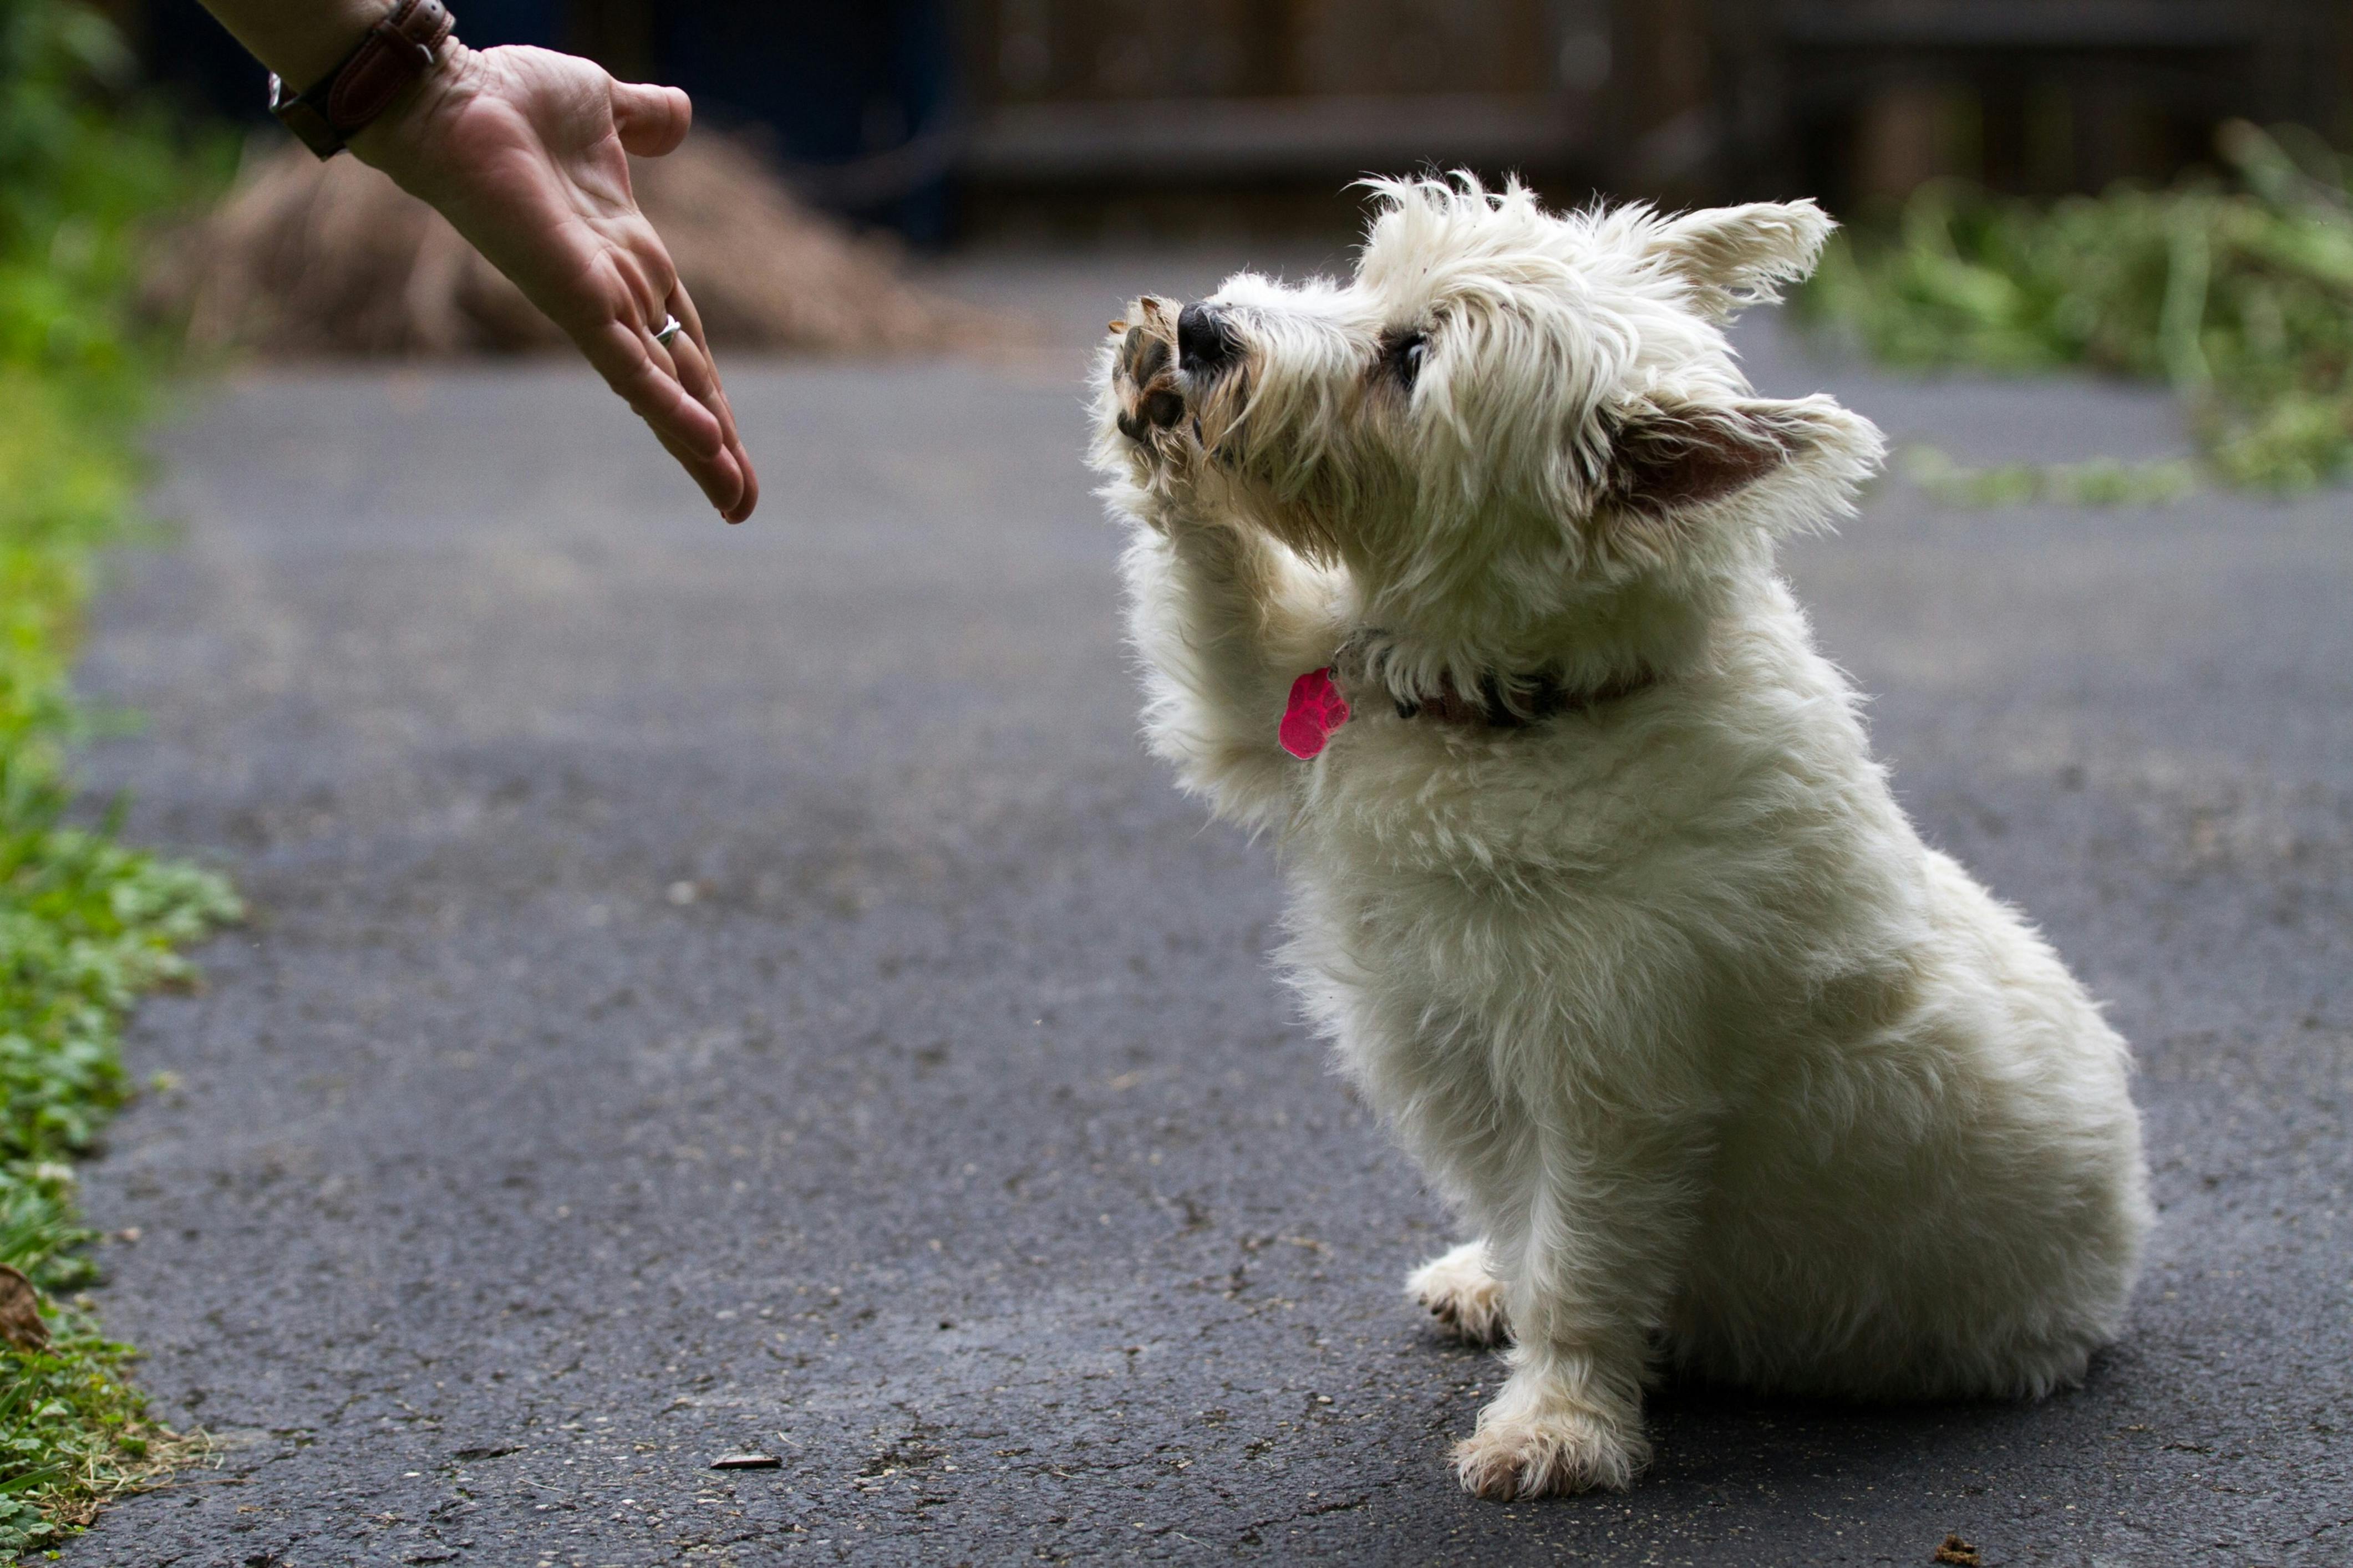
1518, 1457
1144, 377
1463, 1295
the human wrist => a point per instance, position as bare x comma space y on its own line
403, 140
407, 45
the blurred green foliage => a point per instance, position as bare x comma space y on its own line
2096, 481
2238, 290
86, 925
84, 165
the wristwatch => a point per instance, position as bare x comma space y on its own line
395, 52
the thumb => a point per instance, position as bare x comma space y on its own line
651, 121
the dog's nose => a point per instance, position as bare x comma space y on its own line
1206, 341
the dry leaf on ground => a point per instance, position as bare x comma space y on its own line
20, 1315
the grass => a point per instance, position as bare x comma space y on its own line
87, 925
2096, 481
2234, 287
76, 1435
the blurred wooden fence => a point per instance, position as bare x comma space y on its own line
1867, 98
1683, 99
1085, 107
1092, 91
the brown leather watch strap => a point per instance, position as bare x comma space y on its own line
395, 52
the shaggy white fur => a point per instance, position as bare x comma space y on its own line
1726, 1066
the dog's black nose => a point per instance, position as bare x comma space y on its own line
1206, 341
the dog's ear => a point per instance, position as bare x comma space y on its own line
1665, 456
1731, 257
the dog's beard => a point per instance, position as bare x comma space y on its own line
1240, 468
1293, 520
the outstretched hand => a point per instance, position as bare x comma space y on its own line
523, 151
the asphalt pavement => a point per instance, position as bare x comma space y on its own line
717, 991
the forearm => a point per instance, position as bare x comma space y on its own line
1216, 610
1225, 622
302, 40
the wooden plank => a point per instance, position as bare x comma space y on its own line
1262, 138
2028, 24
1092, 50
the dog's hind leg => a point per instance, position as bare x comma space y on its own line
1461, 1291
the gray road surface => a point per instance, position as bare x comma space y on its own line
724, 990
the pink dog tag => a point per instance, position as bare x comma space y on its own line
1316, 710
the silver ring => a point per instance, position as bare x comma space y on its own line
671, 326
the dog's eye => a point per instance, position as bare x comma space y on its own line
1402, 357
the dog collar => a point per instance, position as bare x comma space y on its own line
1517, 701
1316, 708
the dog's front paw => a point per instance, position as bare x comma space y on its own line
1462, 1293
1144, 372
1520, 1454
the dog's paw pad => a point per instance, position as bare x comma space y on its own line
1143, 358
1516, 1457
1463, 1296
1144, 377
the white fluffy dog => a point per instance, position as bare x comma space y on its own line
1598, 890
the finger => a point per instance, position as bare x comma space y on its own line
749, 501
689, 354
699, 373
714, 484
633, 365
624, 354
698, 368
696, 375
652, 120
673, 386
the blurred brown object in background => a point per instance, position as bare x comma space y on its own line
20, 1312
305, 258
617, 34
1058, 51
1123, 116
1851, 99
1907, 134
1660, 114
1118, 113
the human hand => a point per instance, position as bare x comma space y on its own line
523, 151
